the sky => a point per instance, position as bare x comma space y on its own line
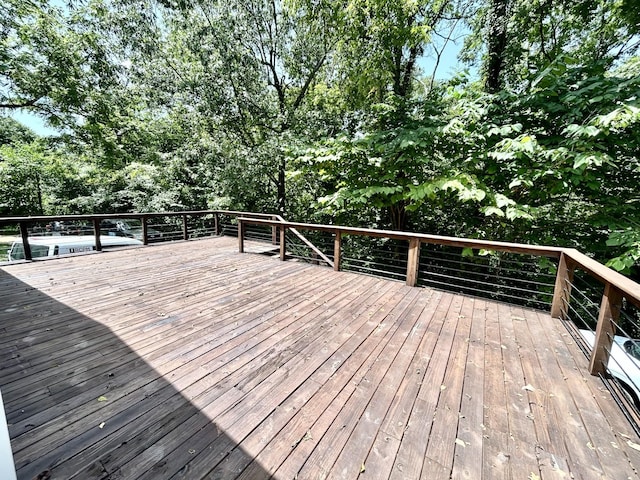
34, 122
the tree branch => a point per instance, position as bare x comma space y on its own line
307, 83
24, 104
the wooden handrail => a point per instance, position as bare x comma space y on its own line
544, 251
95, 220
630, 289
616, 287
143, 217
414, 239
135, 215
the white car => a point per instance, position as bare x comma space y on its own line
624, 363
50, 246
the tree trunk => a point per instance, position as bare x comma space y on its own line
398, 213
282, 192
496, 44
39, 194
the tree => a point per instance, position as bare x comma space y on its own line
50, 62
382, 42
13, 132
496, 44
516, 39
22, 168
249, 67
384, 154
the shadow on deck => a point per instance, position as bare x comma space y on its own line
189, 360
81, 403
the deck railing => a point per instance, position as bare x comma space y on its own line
531, 275
619, 292
169, 226
149, 227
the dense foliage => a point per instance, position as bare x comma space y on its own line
324, 111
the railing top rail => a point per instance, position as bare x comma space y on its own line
553, 252
135, 215
629, 288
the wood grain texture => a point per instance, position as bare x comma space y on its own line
191, 361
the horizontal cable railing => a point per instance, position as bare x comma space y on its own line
619, 362
513, 278
299, 250
380, 257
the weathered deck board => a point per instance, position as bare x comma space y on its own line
192, 361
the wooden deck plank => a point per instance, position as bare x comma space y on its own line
338, 418
447, 414
382, 455
469, 440
53, 426
416, 436
273, 385
598, 445
522, 438
215, 364
496, 463
583, 460
133, 326
537, 357
287, 388
271, 442
352, 459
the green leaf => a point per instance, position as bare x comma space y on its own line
582, 131
503, 201
616, 240
469, 194
591, 159
492, 211
452, 184
514, 213
618, 264
502, 155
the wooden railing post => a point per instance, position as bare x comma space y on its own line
241, 228
145, 230
337, 250
216, 224
413, 262
274, 235
185, 228
96, 233
606, 329
24, 233
562, 289
283, 243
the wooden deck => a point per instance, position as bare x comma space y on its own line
190, 360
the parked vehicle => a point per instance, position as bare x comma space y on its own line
132, 230
50, 246
624, 363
